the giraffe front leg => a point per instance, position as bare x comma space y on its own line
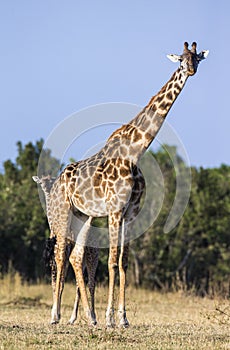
112, 266
123, 264
60, 257
114, 228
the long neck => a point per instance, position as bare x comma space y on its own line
150, 119
164, 99
46, 187
138, 134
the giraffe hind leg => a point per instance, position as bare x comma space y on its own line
48, 253
91, 259
61, 254
57, 279
58, 284
50, 265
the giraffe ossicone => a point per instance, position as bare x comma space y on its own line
110, 183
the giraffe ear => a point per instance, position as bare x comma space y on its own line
174, 58
203, 54
36, 179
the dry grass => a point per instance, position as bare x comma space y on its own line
158, 321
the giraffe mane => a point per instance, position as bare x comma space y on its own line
117, 133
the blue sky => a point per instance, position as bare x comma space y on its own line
60, 57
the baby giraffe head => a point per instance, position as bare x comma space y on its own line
46, 182
190, 59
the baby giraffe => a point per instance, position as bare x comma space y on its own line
90, 256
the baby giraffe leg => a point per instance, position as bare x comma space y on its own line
73, 316
91, 261
60, 257
76, 259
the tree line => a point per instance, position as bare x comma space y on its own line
193, 256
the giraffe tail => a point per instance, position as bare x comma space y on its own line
48, 254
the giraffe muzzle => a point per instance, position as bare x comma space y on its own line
191, 72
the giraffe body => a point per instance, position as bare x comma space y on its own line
111, 184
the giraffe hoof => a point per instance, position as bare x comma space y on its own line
124, 324
54, 322
70, 322
110, 324
110, 319
93, 323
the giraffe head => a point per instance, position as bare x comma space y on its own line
46, 182
190, 59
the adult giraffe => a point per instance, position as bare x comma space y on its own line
110, 184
